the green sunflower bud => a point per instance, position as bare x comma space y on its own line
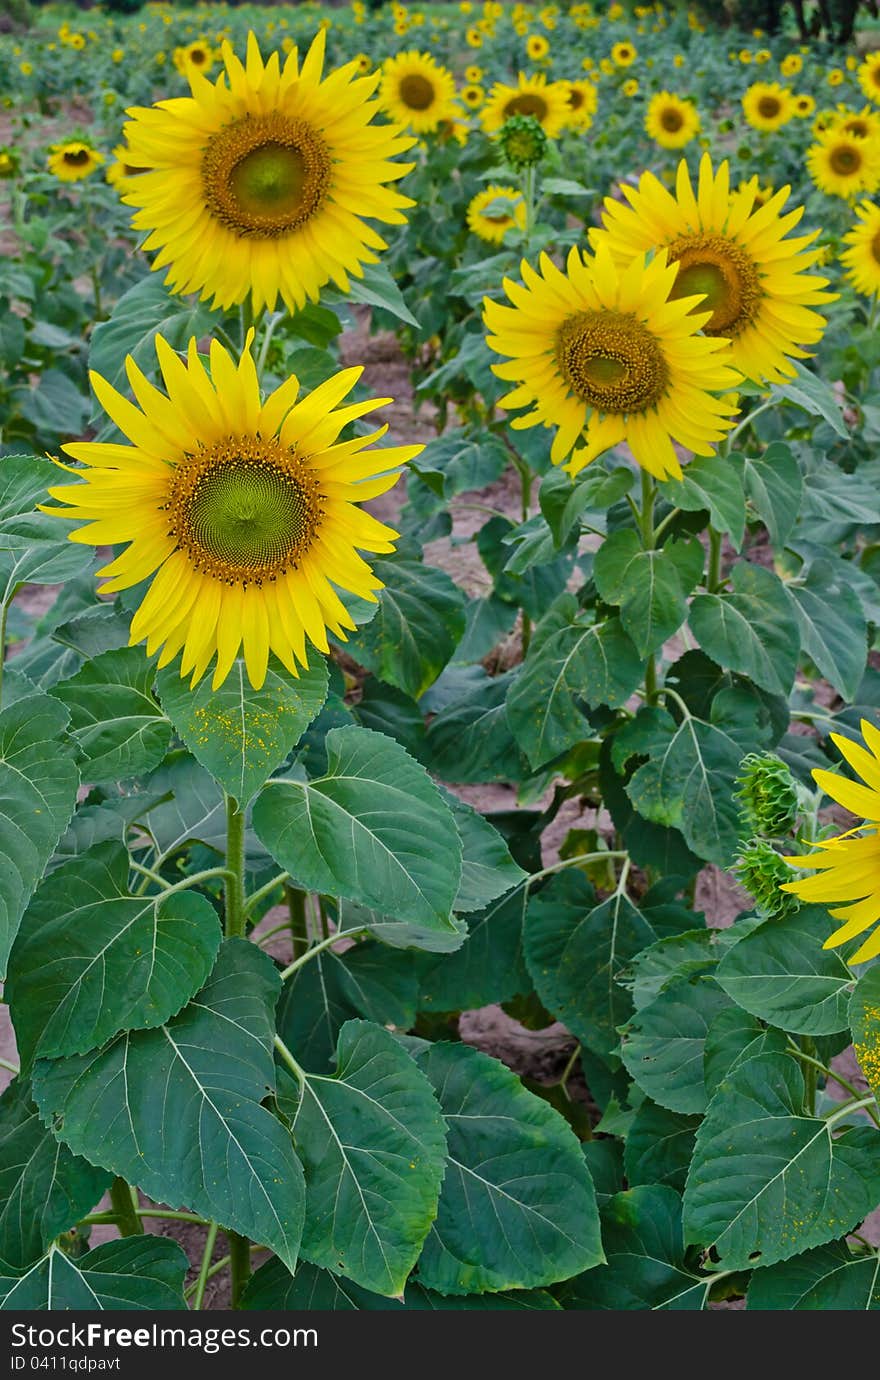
768, 796
762, 871
523, 141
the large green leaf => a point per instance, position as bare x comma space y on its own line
768, 1182
38, 785
833, 629
489, 967
775, 485
146, 310
275, 1289
34, 547
373, 1146
487, 869
44, 1189
470, 739
194, 809
374, 829
664, 1043
177, 1110
734, 1036
815, 396
713, 483
753, 630
650, 587
118, 727
646, 1266
137, 1274
576, 951
780, 973
594, 663
104, 960
416, 629
830, 1278
864, 1020
460, 461
659, 1146
240, 734
517, 1207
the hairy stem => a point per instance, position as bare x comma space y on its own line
299, 930
239, 1266
236, 915
125, 1208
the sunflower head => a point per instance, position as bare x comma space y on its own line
671, 121
844, 165
243, 513
416, 91
74, 160
861, 258
869, 77
767, 795
259, 184
523, 141
494, 211
582, 102
764, 872
546, 102
767, 105
10, 161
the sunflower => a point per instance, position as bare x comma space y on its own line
491, 213
473, 74
754, 277
472, 96
623, 54
546, 102
363, 63
630, 87
862, 259
582, 101
537, 47
804, 105
836, 77
73, 161
767, 105
863, 124
473, 38
848, 867
844, 165
241, 511
606, 355
10, 162
869, 77
416, 91
671, 121
791, 64
198, 56
259, 186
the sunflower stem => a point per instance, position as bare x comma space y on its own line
272, 320
808, 1046
649, 536
4, 614
872, 314
239, 1266
299, 930
529, 199
199, 1291
124, 1207
236, 915
713, 577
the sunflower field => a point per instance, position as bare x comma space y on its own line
439, 658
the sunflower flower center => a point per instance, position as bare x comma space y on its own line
724, 274
845, 160
526, 104
769, 107
76, 157
575, 98
611, 361
244, 510
265, 175
671, 119
416, 91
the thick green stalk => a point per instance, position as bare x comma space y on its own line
204, 1269
239, 1266
124, 1208
4, 614
646, 528
299, 930
236, 917
713, 579
810, 1071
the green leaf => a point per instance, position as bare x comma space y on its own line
780, 973
273, 1288
470, 739
56, 407
713, 483
687, 782
595, 663
659, 1146
815, 396
38, 785
646, 1266
417, 628
177, 1110
375, 830
768, 1182
733, 1037
775, 485
137, 1274
373, 1146
647, 586
517, 1208
576, 950
487, 621
116, 724
44, 1189
146, 310
864, 1020
105, 960
195, 810
563, 501
488, 968
677, 956
833, 629
34, 547
664, 1042
487, 869
753, 630
375, 286
830, 1278
460, 462
240, 734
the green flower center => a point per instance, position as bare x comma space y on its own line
416, 91
245, 510
266, 175
724, 274
611, 361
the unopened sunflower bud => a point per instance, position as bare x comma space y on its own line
523, 141
762, 871
768, 796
